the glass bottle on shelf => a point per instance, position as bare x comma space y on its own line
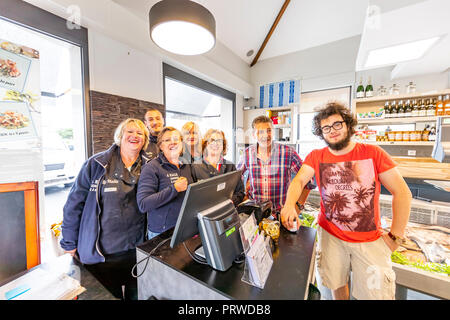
432, 135
415, 109
431, 108
401, 110
387, 110
408, 109
369, 89
360, 90
447, 105
394, 110
423, 108
411, 88
426, 133
439, 107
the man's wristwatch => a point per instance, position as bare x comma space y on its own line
396, 239
300, 206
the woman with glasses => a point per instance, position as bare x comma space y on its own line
214, 146
163, 183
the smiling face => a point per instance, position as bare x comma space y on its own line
215, 144
336, 139
133, 138
171, 144
191, 138
263, 132
154, 121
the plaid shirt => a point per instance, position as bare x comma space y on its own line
270, 180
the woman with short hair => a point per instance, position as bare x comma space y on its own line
214, 146
163, 183
102, 224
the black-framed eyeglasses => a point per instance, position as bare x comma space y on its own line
336, 126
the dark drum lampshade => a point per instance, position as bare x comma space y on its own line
182, 27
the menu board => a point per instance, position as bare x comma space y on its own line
20, 113
15, 121
14, 70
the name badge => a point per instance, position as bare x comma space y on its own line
112, 189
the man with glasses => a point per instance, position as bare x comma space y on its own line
350, 237
154, 121
270, 167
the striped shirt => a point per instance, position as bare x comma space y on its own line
270, 180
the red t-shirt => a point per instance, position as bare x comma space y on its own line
350, 190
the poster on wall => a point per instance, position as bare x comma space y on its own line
15, 121
14, 70
20, 113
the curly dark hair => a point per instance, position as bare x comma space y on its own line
330, 109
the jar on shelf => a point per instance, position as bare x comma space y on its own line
391, 135
418, 135
406, 136
425, 134
411, 88
399, 136
382, 91
394, 90
447, 104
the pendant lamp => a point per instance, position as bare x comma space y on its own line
183, 27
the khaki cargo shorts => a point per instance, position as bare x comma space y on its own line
369, 262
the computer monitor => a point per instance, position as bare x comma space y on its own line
199, 197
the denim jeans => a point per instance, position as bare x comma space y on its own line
151, 234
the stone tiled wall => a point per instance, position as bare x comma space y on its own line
107, 111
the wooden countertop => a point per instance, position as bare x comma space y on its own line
423, 168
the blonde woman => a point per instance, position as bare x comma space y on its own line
214, 146
192, 142
102, 224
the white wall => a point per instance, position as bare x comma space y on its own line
110, 24
116, 68
328, 66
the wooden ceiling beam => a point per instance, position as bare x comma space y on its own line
272, 29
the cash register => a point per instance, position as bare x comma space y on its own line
207, 210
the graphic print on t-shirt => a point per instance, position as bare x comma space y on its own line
347, 190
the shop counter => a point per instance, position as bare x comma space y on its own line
170, 273
47, 280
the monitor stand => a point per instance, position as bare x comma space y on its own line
200, 253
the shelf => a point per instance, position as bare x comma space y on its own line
282, 108
401, 143
281, 126
402, 96
398, 120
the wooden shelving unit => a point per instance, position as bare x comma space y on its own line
250, 114
428, 94
402, 143
402, 120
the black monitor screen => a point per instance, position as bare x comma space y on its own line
200, 196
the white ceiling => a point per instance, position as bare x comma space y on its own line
420, 20
242, 25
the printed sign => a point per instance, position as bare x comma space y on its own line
15, 121
13, 70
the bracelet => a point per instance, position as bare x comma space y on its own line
300, 206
